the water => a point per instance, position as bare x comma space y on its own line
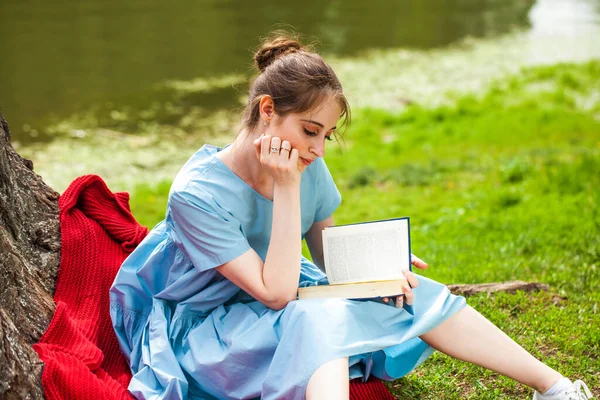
65, 56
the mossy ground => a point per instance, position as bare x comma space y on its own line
499, 186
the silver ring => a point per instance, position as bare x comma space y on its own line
274, 150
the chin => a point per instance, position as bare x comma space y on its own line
301, 166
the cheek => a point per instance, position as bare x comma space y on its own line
288, 132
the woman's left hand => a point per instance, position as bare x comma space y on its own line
413, 282
417, 262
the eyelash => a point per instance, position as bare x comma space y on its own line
310, 133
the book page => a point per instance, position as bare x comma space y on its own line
371, 251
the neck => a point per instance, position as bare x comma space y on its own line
241, 158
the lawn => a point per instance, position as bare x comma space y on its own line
499, 186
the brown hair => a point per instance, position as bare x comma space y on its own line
295, 77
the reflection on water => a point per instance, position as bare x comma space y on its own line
64, 56
565, 18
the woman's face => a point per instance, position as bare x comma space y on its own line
308, 131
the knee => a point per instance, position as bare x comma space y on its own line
330, 381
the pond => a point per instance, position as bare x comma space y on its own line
64, 56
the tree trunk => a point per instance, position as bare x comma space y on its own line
509, 287
29, 258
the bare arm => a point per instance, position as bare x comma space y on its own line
314, 240
275, 282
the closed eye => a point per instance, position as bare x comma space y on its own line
310, 133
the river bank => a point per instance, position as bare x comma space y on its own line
151, 142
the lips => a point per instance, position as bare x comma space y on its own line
306, 162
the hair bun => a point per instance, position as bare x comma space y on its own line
275, 47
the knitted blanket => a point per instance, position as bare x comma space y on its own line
81, 355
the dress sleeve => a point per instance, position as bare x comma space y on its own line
204, 231
328, 195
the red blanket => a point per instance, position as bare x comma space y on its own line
79, 349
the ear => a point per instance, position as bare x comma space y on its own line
266, 108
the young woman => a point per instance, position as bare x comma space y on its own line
205, 307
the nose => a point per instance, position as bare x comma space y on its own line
318, 149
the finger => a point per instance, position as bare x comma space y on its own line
412, 279
275, 146
417, 262
409, 296
286, 148
265, 144
399, 301
294, 156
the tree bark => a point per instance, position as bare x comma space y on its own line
510, 287
29, 259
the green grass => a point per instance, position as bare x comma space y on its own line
498, 187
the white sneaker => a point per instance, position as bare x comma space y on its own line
577, 391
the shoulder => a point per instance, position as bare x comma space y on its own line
200, 181
318, 169
319, 164
322, 174
199, 166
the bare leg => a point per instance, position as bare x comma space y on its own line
469, 336
331, 381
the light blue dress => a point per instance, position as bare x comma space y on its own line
189, 333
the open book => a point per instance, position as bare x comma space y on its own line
364, 260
